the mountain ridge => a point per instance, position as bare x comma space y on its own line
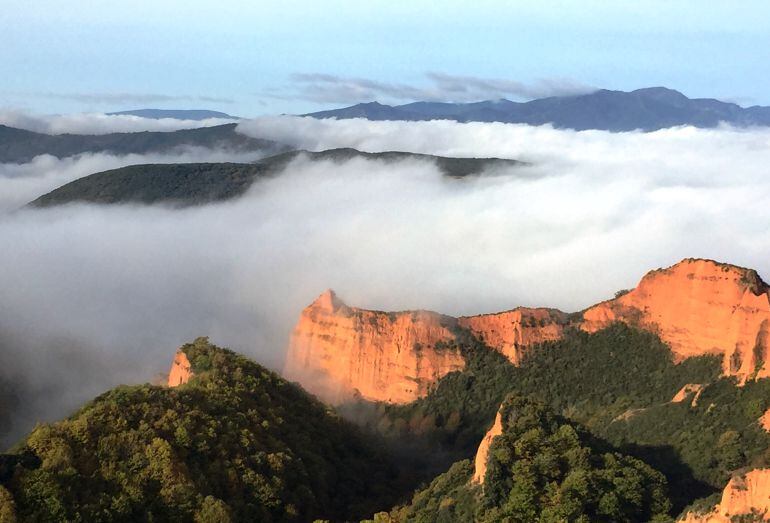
646, 109
21, 146
201, 183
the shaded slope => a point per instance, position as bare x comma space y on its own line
647, 109
541, 467
194, 184
19, 146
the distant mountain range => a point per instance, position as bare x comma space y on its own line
178, 114
199, 183
19, 146
646, 109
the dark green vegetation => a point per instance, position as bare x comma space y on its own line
20, 146
617, 383
174, 184
9, 403
236, 443
195, 184
543, 468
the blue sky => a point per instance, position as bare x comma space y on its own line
262, 57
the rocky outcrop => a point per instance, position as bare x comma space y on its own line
482, 454
699, 307
339, 352
693, 390
181, 371
745, 495
511, 332
764, 421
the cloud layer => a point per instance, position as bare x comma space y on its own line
126, 285
327, 88
97, 123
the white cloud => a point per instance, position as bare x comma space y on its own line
442, 87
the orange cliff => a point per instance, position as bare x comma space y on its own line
181, 370
511, 332
745, 495
699, 307
482, 454
339, 352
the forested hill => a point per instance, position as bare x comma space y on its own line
542, 467
200, 183
20, 146
235, 443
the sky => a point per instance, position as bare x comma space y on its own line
268, 57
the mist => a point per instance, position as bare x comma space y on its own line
118, 288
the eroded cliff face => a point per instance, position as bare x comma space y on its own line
482, 454
338, 352
512, 332
699, 307
744, 495
181, 371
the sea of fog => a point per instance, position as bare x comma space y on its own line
94, 296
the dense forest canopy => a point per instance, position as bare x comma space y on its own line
543, 468
237, 443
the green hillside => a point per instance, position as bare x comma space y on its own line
617, 383
200, 183
237, 443
542, 468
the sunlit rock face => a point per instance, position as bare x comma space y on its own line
482, 454
699, 307
690, 392
339, 352
764, 421
512, 332
746, 495
181, 371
